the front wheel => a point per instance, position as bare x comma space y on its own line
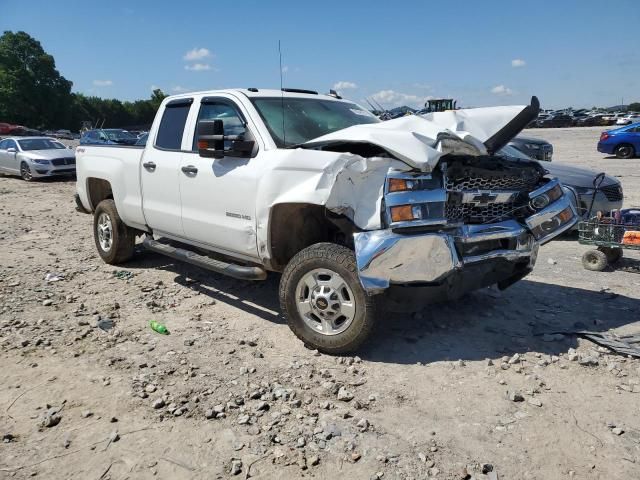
25, 172
323, 300
115, 241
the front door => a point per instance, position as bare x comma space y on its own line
160, 170
219, 195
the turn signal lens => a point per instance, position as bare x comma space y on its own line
203, 145
398, 185
402, 213
565, 215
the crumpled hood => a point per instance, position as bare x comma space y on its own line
416, 139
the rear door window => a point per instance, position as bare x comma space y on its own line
171, 128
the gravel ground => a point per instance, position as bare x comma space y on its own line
457, 391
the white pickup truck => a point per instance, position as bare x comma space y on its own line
243, 182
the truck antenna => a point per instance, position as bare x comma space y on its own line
284, 134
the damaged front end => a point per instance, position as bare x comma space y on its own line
472, 222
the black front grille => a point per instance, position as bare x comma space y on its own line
612, 192
467, 212
63, 161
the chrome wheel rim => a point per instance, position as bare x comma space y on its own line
105, 232
325, 302
25, 172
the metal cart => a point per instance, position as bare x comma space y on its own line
606, 235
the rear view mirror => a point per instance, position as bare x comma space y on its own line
212, 141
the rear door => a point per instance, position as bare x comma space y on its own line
160, 170
219, 195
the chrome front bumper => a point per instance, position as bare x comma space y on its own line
385, 257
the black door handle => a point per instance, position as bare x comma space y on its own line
149, 166
190, 170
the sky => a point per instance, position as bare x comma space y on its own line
578, 53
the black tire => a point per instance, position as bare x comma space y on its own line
625, 151
25, 172
613, 254
123, 238
339, 260
594, 260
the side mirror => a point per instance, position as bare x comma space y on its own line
211, 141
70, 147
11, 150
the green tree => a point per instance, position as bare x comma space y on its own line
634, 107
32, 91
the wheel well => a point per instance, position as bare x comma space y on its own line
98, 190
295, 226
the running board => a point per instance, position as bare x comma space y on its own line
236, 271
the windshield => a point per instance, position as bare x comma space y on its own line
40, 144
306, 118
116, 135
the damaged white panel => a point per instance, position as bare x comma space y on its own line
414, 139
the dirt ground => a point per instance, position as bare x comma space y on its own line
456, 391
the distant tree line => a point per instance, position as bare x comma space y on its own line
34, 94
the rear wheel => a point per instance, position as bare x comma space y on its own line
625, 151
613, 254
323, 300
594, 260
25, 172
115, 241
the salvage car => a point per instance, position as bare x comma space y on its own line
349, 209
36, 157
579, 182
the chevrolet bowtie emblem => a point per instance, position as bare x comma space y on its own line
484, 199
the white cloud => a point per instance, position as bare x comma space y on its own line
198, 67
501, 90
518, 62
103, 83
342, 85
179, 89
391, 98
197, 54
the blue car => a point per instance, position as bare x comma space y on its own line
622, 142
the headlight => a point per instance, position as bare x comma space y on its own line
533, 146
40, 161
541, 201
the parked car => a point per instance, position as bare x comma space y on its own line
63, 134
629, 119
612, 118
5, 128
345, 206
108, 136
622, 142
556, 121
580, 182
36, 157
596, 120
535, 148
